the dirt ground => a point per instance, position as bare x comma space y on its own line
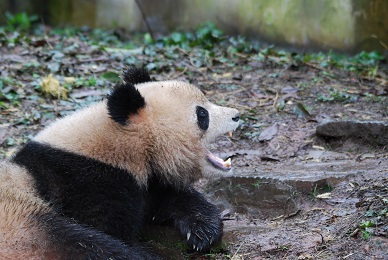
276, 91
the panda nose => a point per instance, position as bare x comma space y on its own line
236, 118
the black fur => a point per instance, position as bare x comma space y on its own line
70, 240
99, 209
91, 192
124, 100
135, 76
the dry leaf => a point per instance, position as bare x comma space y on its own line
326, 195
69, 80
269, 132
52, 86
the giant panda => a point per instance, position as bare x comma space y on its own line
84, 186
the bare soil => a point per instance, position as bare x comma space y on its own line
350, 223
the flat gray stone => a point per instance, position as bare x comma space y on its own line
264, 194
372, 131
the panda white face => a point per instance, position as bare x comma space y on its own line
221, 120
182, 108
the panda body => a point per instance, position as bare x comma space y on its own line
84, 186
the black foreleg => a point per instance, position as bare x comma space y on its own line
197, 220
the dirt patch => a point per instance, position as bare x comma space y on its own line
331, 197
324, 228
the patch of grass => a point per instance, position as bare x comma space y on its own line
367, 58
257, 184
315, 191
374, 99
221, 248
20, 21
111, 76
365, 234
9, 141
337, 96
240, 45
283, 247
206, 36
327, 188
85, 82
366, 224
319, 190
215, 251
252, 135
30, 67
9, 90
362, 62
205, 46
365, 229
181, 245
374, 219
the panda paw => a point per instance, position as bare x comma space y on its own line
201, 232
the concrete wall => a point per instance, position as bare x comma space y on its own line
344, 25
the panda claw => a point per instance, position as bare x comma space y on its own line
188, 236
193, 247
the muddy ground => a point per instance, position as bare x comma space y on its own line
305, 196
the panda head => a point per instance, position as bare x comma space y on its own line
151, 128
179, 120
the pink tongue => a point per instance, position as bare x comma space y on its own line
218, 162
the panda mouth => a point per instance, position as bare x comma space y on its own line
218, 162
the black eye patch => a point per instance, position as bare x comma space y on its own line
202, 118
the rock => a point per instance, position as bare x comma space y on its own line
375, 132
272, 193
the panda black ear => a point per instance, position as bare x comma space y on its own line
135, 75
125, 100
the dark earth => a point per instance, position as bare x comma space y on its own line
293, 194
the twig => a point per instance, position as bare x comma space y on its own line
275, 99
238, 249
179, 74
347, 255
380, 41
145, 20
92, 60
293, 214
45, 34
277, 218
